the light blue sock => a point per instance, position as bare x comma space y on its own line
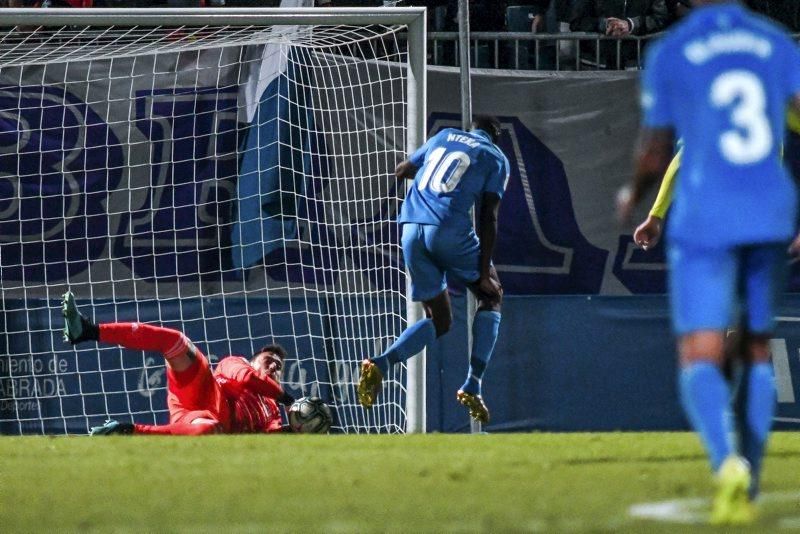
413, 339
705, 397
758, 407
485, 327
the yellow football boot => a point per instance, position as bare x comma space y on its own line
369, 383
732, 504
475, 404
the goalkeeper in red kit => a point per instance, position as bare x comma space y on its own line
239, 396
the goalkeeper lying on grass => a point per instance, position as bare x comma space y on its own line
239, 396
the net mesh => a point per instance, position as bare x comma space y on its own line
234, 183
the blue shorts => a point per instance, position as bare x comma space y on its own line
433, 253
713, 289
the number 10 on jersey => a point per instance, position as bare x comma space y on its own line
443, 170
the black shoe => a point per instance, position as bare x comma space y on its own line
77, 328
111, 427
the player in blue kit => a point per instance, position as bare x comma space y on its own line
722, 80
452, 172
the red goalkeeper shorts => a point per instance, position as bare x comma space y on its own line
194, 394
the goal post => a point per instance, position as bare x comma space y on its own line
225, 172
417, 116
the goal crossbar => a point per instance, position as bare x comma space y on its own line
233, 16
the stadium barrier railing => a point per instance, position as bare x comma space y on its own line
544, 51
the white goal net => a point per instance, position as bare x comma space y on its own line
232, 181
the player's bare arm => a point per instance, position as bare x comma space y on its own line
654, 155
405, 170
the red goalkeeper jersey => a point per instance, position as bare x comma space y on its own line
251, 397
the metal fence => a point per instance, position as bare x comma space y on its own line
542, 51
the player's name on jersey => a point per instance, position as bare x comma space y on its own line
700, 51
458, 138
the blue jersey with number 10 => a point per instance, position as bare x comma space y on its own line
722, 79
455, 169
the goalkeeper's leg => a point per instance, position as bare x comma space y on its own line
198, 427
176, 347
77, 328
188, 390
191, 382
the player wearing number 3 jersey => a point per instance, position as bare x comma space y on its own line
454, 171
722, 80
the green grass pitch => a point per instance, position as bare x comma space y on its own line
366, 483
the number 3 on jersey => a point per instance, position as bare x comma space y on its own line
442, 172
743, 92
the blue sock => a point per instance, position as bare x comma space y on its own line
756, 413
484, 334
413, 339
705, 397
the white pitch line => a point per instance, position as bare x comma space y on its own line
695, 511
789, 523
675, 511
788, 319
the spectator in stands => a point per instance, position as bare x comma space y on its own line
538, 22
544, 16
197, 3
529, 16
46, 3
548, 15
619, 18
484, 15
251, 3
437, 10
349, 3
787, 12
122, 3
678, 8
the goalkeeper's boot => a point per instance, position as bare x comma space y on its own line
732, 504
474, 403
369, 383
77, 328
111, 427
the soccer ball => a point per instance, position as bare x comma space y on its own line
310, 415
